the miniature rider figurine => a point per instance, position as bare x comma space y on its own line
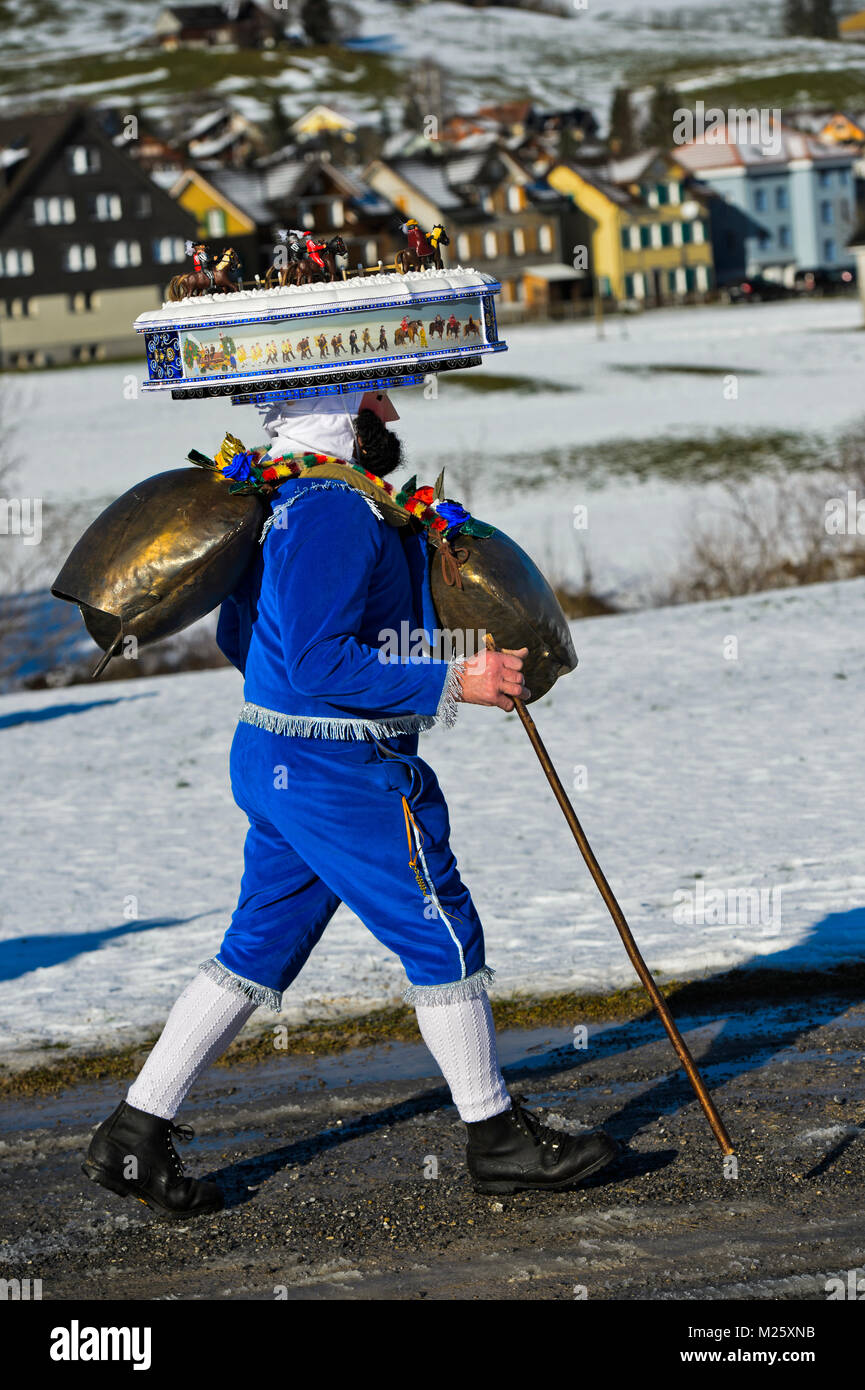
201, 259
417, 240
313, 248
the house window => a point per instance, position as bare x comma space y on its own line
106, 207
308, 219
83, 159
843, 177
824, 178
700, 230
629, 287
829, 253
702, 278
464, 248
677, 233
519, 241
626, 238
168, 250
515, 198
784, 236
759, 199
337, 213
782, 202
655, 231
490, 245
672, 281
639, 285
125, 253
827, 213
663, 193
675, 191
545, 238
645, 235
76, 257
143, 205
765, 241
53, 211
690, 279
666, 233
216, 222
687, 233
13, 262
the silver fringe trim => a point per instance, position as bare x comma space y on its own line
309, 726
469, 988
261, 994
449, 704
278, 512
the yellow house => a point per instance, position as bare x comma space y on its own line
853, 27
841, 129
323, 119
650, 237
216, 214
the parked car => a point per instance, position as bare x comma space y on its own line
757, 288
823, 282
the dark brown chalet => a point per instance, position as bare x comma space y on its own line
238, 22
87, 241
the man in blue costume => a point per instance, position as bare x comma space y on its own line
341, 809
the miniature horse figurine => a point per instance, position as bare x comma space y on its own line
223, 277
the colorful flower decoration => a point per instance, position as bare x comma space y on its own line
251, 470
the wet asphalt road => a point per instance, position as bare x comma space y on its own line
345, 1175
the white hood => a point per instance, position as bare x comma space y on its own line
322, 425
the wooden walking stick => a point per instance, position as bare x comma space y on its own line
624, 930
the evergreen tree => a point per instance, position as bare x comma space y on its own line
661, 119
318, 22
795, 18
280, 125
824, 21
622, 134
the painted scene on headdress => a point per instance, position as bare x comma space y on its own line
355, 336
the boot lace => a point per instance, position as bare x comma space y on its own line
184, 1133
533, 1125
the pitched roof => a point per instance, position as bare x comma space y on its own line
40, 134
721, 150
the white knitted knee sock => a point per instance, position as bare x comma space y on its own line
199, 1028
462, 1039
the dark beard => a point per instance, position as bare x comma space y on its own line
378, 450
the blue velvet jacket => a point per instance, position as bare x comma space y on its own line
309, 625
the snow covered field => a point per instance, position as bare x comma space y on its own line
521, 458
704, 774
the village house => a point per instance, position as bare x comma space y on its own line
783, 205
87, 241
238, 23
500, 218
649, 235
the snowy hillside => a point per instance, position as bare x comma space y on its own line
87, 48
121, 863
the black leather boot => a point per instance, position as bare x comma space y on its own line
132, 1154
515, 1150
